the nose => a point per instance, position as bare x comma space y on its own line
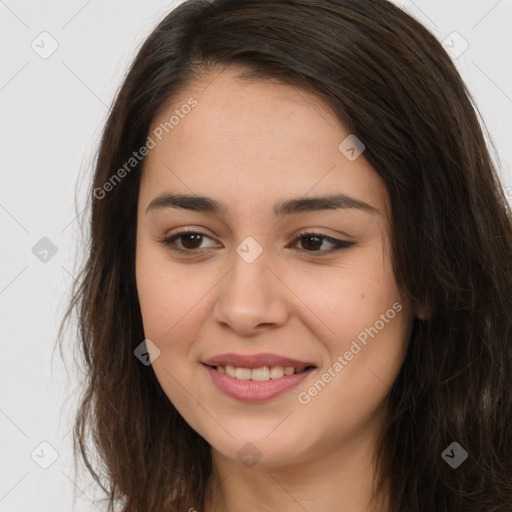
252, 298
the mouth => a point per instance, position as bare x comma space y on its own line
256, 378
261, 374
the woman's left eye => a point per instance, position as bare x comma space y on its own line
193, 238
191, 242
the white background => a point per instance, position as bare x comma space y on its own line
52, 114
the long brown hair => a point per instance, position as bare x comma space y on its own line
392, 84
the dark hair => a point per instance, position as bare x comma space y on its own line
389, 81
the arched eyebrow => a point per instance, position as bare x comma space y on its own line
206, 204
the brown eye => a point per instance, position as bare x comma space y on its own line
312, 242
189, 241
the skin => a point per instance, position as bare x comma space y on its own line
250, 145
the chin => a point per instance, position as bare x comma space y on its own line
250, 446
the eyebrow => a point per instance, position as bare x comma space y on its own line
286, 207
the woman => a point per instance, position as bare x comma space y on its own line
297, 293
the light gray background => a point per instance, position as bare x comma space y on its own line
52, 114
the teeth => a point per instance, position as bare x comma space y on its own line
243, 373
259, 374
276, 372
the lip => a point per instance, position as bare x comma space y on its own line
255, 361
252, 391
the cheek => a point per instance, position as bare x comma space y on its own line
166, 294
168, 317
349, 299
170, 314
362, 323
174, 306
156, 301
152, 297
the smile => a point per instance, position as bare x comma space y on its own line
256, 378
259, 374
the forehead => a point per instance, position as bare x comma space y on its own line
259, 140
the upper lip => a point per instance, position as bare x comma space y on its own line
254, 361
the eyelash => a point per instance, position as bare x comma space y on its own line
338, 244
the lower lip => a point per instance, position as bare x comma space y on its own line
254, 390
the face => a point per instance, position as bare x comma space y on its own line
276, 326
